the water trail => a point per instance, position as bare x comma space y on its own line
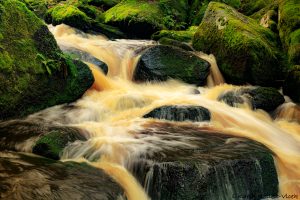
119, 55
113, 117
215, 77
288, 111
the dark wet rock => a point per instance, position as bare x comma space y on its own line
40, 138
291, 85
180, 113
265, 98
216, 166
26, 177
246, 51
160, 63
84, 56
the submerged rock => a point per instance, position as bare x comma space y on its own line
160, 63
84, 56
291, 85
264, 98
246, 52
213, 166
34, 73
25, 176
180, 113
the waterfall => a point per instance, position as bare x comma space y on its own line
118, 137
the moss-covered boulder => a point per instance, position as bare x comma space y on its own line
53, 143
160, 63
180, 113
264, 98
248, 7
34, 73
140, 19
289, 28
70, 15
246, 52
291, 85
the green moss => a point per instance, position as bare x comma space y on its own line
52, 144
246, 52
248, 7
289, 26
70, 15
182, 36
35, 74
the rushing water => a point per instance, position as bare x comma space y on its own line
111, 113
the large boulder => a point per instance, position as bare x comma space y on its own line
34, 73
140, 19
25, 176
180, 113
291, 85
211, 166
246, 52
289, 28
160, 63
264, 98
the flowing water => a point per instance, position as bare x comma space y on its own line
111, 114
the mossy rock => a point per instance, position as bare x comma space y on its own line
70, 15
53, 143
160, 63
140, 19
246, 52
198, 8
34, 73
264, 98
182, 36
289, 29
291, 86
180, 113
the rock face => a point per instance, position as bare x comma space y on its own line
180, 113
160, 63
292, 84
264, 98
34, 73
26, 176
214, 166
289, 29
246, 52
